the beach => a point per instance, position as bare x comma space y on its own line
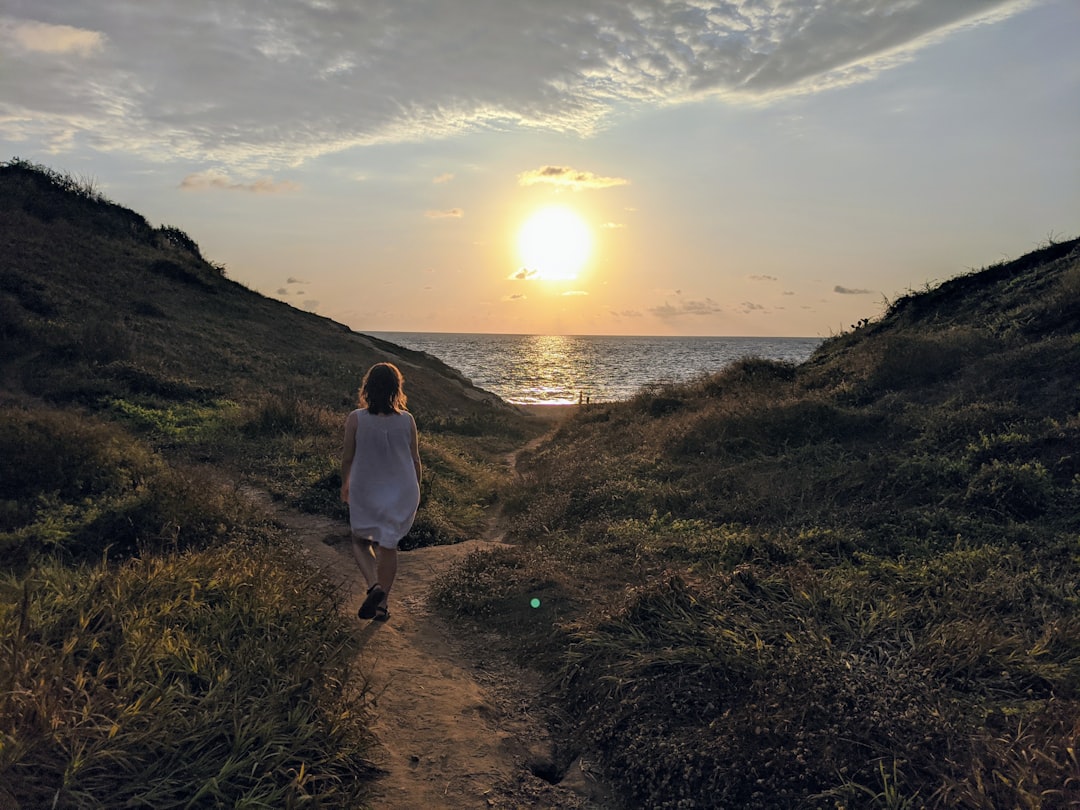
548, 413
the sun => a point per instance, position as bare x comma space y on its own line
554, 243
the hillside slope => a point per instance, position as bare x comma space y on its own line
848, 583
95, 302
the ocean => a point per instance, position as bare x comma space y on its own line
560, 369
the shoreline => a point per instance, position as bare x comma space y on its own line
553, 412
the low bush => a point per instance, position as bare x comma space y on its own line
81, 489
68, 454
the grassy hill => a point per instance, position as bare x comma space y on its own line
94, 302
849, 583
161, 645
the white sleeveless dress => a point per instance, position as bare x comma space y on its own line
383, 490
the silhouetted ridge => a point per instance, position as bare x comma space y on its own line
984, 289
52, 196
96, 304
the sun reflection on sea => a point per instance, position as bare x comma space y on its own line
560, 369
548, 363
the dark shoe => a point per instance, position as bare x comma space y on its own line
381, 614
375, 594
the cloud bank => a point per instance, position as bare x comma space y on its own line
256, 85
565, 177
667, 311
218, 182
448, 213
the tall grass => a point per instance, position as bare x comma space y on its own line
213, 678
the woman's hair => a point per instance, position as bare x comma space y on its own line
382, 390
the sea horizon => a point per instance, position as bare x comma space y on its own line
381, 333
530, 369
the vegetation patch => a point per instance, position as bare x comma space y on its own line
211, 678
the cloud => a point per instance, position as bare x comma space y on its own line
449, 213
566, 177
257, 85
626, 313
763, 278
41, 37
705, 306
446, 177
612, 226
523, 274
294, 280
311, 306
282, 291
849, 291
749, 306
515, 297
207, 181
575, 292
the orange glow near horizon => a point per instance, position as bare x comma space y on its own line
555, 243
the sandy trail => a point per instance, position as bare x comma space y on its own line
451, 733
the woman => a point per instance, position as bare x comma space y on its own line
380, 480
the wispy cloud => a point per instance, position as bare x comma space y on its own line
261, 84
212, 181
851, 291
565, 177
446, 177
523, 274
515, 297
612, 226
573, 293
762, 278
40, 37
705, 306
449, 213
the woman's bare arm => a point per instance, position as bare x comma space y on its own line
348, 451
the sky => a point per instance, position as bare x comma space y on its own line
638, 167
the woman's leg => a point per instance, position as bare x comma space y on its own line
386, 568
364, 553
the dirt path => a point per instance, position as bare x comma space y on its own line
451, 733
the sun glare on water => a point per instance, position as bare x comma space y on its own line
554, 243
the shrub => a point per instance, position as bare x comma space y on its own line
1016, 490
62, 453
276, 415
